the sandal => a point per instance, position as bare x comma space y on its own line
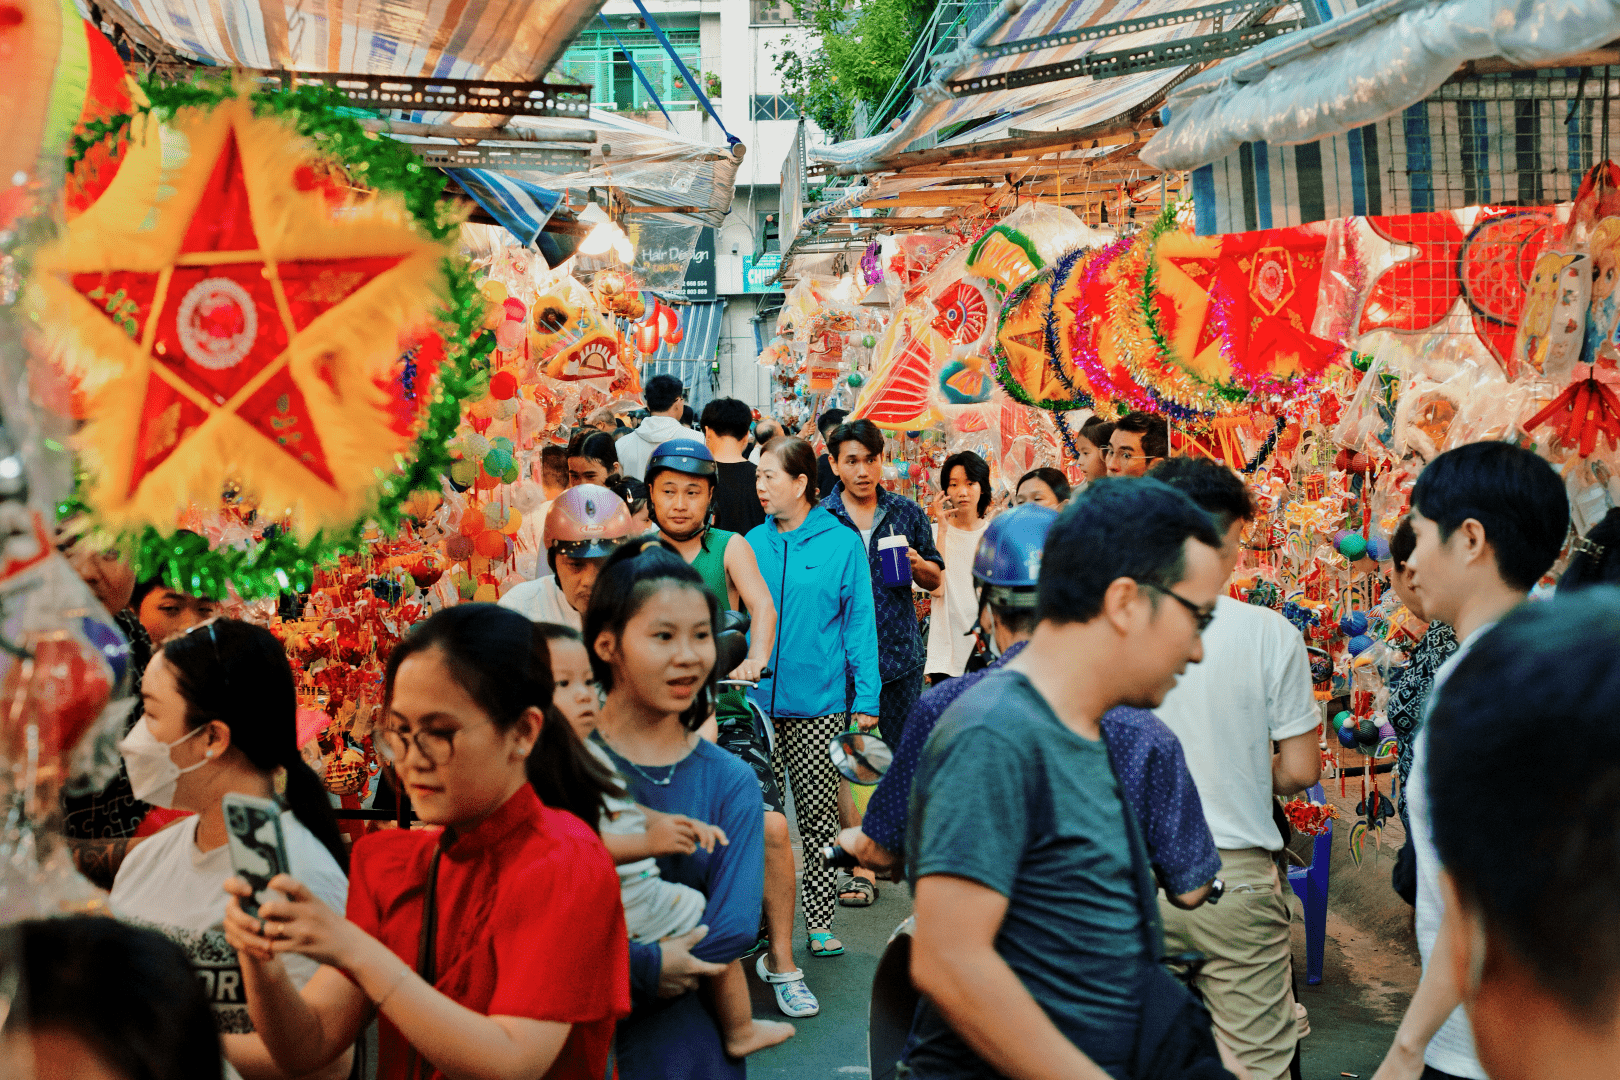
793, 997
864, 892
818, 944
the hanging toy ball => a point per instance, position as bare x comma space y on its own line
913, 434
1343, 717
855, 378
1367, 732
1354, 624
1359, 644
503, 386
1378, 549
1353, 546
1347, 736
1338, 537
869, 340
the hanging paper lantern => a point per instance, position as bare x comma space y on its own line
427, 567
1025, 361
514, 309
514, 522
1353, 624
458, 548
490, 544
897, 397
197, 370
472, 522
493, 291
509, 335
1005, 257
463, 473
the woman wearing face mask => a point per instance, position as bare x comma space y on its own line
493, 946
220, 713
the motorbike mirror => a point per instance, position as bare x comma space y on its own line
860, 758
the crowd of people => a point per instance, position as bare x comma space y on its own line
1089, 739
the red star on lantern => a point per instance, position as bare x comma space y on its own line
211, 272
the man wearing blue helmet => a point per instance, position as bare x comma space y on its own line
681, 484
1145, 753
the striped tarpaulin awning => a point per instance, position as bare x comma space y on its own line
523, 208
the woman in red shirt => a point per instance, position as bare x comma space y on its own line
493, 947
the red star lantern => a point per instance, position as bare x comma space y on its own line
1487, 267
227, 320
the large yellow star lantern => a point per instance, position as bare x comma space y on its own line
230, 316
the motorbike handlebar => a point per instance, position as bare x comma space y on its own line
764, 673
834, 857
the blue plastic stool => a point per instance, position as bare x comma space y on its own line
1310, 883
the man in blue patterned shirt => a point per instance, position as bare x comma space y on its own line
861, 503
1146, 755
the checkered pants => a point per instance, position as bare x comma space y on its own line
800, 756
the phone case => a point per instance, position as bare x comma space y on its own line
258, 848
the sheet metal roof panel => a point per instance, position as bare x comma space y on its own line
1319, 83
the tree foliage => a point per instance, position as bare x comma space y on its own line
849, 53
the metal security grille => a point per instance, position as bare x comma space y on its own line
1515, 139
771, 107
1520, 139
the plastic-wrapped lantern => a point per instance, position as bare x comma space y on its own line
1347, 732
509, 335
1378, 549
1359, 644
890, 473
1353, 546
1354, 624
515, 309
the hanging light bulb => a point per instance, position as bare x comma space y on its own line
604, 236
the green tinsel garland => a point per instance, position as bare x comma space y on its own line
1220, 393
280, 562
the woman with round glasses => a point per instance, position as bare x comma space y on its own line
493, 946
220, 704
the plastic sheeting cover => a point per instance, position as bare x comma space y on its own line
1313, 92
1104, 98
650, 166
511, 39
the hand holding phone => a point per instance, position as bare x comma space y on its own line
258, 846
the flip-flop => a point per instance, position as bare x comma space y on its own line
820, 938
868, 892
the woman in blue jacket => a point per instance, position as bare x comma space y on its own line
826, 634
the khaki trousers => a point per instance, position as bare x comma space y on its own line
1247, 983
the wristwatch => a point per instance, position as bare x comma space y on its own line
1217, 889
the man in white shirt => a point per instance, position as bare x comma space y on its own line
584, 526
765, 429
1532, 935
1252, 690
666, 404
1490, 519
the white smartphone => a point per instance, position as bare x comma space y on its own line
258, 848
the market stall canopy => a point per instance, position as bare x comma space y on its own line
1320, 82
512, 40
1094, 59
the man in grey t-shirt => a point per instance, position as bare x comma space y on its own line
1029, 940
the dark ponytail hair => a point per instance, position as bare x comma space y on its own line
598, 446
634, 572
502, 661
237, 673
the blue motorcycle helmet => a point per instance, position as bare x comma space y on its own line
687, 455
1007, 565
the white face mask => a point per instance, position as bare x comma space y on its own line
152, 772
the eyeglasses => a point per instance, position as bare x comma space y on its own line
1201, 617
1126, 455
438, 747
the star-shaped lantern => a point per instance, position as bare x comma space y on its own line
230, 317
